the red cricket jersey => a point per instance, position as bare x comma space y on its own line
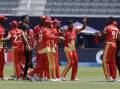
69, 36
1, 35
1, 32
17, 39
111, 33
36, 31
44, 38
54, 33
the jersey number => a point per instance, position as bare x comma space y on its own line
114, 34
17, 39
40, 37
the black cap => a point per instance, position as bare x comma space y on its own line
110, 20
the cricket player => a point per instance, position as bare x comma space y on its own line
2, 60
36, 34
70, 49
44, 51
109, 62
40, 58
17, 38
24, 25
54, 48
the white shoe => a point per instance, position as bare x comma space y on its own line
59, 79
32, 78
77, 79
45, 79
36, 77
118, 80
12, 78
53, 80
110, 79
63, 79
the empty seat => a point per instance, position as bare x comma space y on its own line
84, 7
7, 6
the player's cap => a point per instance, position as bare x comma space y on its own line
48, 18
2, 18
47, 21
110, 20
115, 23
56, 21
42, 17
14, 23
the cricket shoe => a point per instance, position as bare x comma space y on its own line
37, 78
118, 80
76, 79
44, 79
25, 78
31, 78
63, 79
12, 78
110, 79
59, 79
54, 80
41, 79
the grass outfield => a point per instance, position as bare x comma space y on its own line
90, 78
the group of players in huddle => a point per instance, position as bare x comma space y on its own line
44, 38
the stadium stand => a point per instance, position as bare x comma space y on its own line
7, 7
60, 7
82, 7
31, 7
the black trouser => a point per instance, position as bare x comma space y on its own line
28, 64
118, 60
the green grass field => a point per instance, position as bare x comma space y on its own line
90, 78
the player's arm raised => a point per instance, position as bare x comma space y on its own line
84, 25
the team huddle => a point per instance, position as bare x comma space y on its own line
44, 39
